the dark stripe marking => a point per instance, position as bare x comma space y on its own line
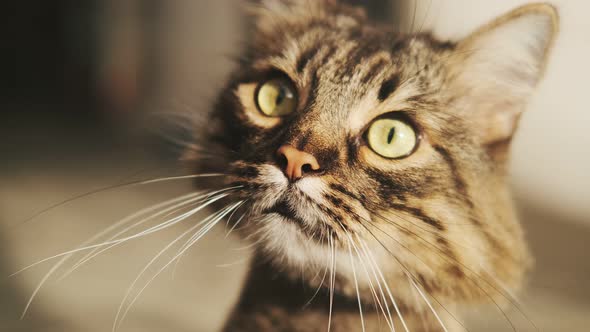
326, 57
388, 87
419, 214
375, 69
460, 184
305, 58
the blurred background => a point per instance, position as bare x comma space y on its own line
83, 88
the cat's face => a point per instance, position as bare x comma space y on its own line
378, 156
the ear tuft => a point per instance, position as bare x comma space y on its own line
497, 68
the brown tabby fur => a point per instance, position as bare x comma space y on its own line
440, 220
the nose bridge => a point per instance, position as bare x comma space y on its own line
316, 130
319, 130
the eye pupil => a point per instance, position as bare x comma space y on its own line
280, 96
390, 135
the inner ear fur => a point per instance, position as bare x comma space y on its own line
495, 70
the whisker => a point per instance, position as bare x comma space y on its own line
234, 212
182, 177
145, 268
206, 220
204, 230
264, 230
92, 239
446, 256
320, 285
427, 303
67, 254
477, 276
238, 262
356, 284
109, 188
237, 222
414, 16
425, 18
372, 261
332, 279
423, 315
424, 229
384, 310
235, 225
403, 266
224, 211
387, 316
192, 198
137, 235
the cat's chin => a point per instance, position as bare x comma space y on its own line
291, 225
305, 259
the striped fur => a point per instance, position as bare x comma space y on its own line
442, 217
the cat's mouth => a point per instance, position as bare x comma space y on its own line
283, 209
271, 195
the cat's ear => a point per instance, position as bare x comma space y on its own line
496, 68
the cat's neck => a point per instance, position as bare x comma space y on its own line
272, 302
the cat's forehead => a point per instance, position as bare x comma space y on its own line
357, 70
342, 55
347, 54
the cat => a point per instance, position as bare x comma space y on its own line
371, 167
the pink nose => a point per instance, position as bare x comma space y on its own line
296, 162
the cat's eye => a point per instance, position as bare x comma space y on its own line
392, 138
276, 97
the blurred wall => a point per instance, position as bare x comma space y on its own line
551, 154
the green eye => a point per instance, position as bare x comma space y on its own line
392, 138
276, 97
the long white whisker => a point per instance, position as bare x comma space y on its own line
237, 222
231, 207
372, 259
427, 302
166, 212
117, 186
67, 254
264, 230
224, 212
204, 230
90, 240
356, 284
422, 313
320, 285
235, 225
131, 237
147, 266
238, 262
234, 212
388, 317
182, 177
332, 280
184, 199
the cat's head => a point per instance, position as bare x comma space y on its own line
380, 156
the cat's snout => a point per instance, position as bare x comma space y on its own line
296, 163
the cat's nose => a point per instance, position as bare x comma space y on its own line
296, 163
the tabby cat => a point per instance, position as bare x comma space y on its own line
371, 167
